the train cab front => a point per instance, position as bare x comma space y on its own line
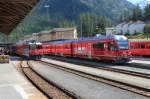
124, 55
35, 50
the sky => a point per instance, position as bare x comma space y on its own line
135, 1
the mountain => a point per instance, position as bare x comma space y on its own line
57, 13
143, 3
71, 9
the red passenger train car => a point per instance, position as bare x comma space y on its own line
29, 49
141, 48
106, 48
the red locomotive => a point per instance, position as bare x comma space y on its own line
29, 49
141, 48
106, 48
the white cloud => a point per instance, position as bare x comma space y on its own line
136, 1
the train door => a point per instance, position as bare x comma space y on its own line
98, 50
61, 50
71, 48
74, 49
90, 49
26, 50
32, 49
110, 51
78, 50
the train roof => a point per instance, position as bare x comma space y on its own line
35, 43
30, 42
113, 37
57, 40
93, 39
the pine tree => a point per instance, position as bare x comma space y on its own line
121, 19
87, 23
147, 13
103, 23
125, 16
137, 13
147, 30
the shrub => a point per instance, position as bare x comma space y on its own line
147, 29
127, 34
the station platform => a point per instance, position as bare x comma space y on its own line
14, 85
146, 62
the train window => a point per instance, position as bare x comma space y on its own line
39, 47
32, 47
148, 46
67, 46
132, 46
142, 45
136, 46
139, 46
111, 46
99, 46
123, 45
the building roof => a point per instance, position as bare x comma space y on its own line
127, 24
12, 12
45, 32
62, 29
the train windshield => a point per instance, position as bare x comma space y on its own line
122, 42
123, 45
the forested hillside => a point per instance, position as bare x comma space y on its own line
67, 13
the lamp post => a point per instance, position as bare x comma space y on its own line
47, 8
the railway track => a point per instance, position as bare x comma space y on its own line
104, 67
123, 85
50, 89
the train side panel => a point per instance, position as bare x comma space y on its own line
114, 49
140, 48
67, 49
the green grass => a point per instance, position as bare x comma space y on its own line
139, 37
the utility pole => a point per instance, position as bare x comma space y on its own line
47, 10
81, 28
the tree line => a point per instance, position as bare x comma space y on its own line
88, 24
91, 24
137, 14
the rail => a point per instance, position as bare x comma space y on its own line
123, 85
50, 89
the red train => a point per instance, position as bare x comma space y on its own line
141, 48
29, 49
106, 48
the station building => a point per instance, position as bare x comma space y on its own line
110, 30
56, 33
130, 27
